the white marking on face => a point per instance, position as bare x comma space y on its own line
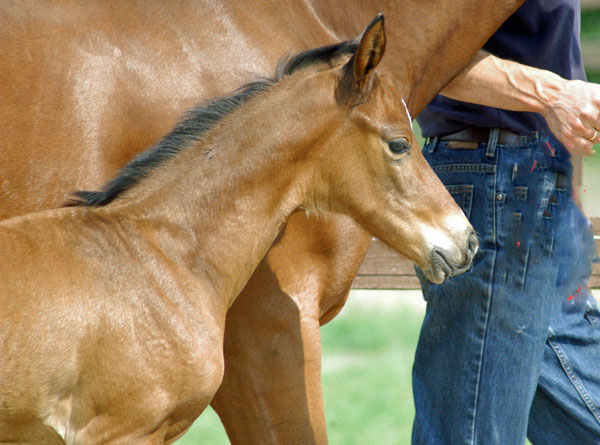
407, 113
457, 222
450, 235
436, 238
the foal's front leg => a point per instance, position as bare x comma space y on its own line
271, 391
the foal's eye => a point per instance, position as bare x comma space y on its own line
399, 146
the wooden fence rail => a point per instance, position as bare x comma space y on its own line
383, 268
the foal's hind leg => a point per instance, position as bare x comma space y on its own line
271, 391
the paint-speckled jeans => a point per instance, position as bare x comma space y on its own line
512, 347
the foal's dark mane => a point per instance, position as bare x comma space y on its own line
197, 121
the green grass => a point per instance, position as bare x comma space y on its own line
593, 76
367, 360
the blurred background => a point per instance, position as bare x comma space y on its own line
590, 46
368, 348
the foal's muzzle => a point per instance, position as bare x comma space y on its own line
443, 259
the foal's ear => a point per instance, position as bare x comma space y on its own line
370, 49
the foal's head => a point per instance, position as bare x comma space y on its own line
372, 169
347, 134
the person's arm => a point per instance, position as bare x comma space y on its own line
571, 107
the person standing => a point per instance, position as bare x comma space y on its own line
512, 348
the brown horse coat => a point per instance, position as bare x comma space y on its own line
114, 312
86, 85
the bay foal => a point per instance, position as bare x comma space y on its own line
113, 311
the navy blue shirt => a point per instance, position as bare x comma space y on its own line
541, 33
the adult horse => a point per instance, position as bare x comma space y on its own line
114, 311
85, 86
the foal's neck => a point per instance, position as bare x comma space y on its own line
230, 194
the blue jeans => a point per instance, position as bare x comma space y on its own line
511, 348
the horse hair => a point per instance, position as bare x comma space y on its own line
197, 121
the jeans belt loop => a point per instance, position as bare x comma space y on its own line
433, 144
492, 143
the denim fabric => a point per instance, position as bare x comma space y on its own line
520, 330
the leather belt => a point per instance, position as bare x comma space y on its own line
482, 134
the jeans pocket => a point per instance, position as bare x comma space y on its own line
463, 195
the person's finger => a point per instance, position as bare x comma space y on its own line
583, 146
592, 135
594, 120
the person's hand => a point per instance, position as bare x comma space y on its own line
574, 116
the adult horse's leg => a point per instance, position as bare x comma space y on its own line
271, 391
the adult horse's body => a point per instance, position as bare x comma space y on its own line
84, 86
114, 311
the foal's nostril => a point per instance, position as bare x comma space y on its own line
472, 245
